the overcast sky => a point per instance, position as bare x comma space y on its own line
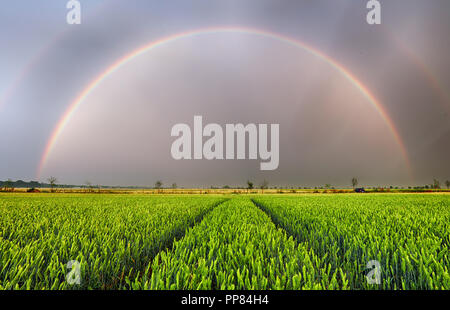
329, 131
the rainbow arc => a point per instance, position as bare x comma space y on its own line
152, 45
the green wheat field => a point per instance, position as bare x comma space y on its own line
218, 242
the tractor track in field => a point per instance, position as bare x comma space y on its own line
168, 244
275, 221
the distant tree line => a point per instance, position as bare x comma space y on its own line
23, 184
10, 185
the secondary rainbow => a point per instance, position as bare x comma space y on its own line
124, 60
38, 56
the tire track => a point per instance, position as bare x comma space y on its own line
168, 244
276, 221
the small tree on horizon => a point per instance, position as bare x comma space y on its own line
174, 185
354, 182
436, 184
52, 181
249, 185
447, 183
158, 185
89, 185
264, 185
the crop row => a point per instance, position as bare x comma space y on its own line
408, 235
237, 246
112, 237
321, 242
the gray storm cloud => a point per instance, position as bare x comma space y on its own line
329, 132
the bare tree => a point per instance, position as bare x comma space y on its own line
89, 185
52, 181
249, 185
264, 185
436, 184
354, 182
158, 185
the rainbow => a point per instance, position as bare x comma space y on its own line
293, 42
427, 73
34, 61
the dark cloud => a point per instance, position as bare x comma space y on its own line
228, 81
